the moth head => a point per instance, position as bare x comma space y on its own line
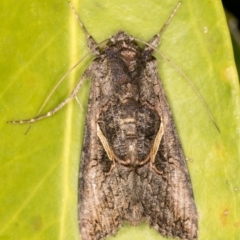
125, 47
121, 36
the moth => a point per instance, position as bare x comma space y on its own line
132, 166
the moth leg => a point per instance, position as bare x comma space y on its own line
91, 43
61, 105
78, 102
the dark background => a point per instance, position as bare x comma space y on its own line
233, 6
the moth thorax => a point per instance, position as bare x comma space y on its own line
129, 56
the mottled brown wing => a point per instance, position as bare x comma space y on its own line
99, 216
111, 194
174, 210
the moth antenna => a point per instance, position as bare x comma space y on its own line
154, 42
79, 20
187, 79
75, 65
92, 44
28, 129
194, 89
169, 19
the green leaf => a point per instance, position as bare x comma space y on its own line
41, 40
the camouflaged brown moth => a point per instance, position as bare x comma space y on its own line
132, 166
